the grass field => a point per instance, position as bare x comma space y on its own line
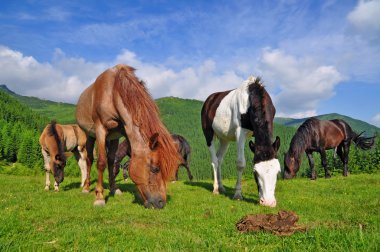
341, 214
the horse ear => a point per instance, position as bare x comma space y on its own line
153, 141
276, 144
252, 146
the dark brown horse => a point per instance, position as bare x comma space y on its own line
118, 104
318, 136
124, 149
233, 116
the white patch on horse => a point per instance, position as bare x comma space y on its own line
228, 114
267, 177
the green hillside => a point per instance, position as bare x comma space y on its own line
181, 116
357, 125
61, 112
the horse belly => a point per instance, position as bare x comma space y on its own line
223, 128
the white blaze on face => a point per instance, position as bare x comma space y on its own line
266, 178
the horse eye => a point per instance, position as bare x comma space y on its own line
154, 169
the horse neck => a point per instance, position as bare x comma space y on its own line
298, 145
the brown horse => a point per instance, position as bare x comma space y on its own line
124, 149
118, 104
318, 136
55, 140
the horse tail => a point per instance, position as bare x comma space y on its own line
52, 131
364, 143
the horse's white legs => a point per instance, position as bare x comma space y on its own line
220, 155
56, 186
240, 162
82, 163
217, 159
47, 169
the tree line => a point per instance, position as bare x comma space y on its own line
20, 128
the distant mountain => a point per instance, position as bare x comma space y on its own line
61, 112
357, 125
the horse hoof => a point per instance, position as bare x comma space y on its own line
126, 179
85, 191
238, 197
216, 192
118, 192
222, 190
100, 202
47, 188
56, 189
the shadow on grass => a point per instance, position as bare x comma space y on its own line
230, 192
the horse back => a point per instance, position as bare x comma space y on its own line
333, 132
97, 103
208, 113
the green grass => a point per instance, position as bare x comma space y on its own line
342, 214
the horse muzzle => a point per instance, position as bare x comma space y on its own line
155, 203
268, 203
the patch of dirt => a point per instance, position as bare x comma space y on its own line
283, 223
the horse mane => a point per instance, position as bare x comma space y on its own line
52, 131
302, 139
258, 111
145, 115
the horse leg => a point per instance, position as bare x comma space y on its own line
313, 174
240, 162
324, 164
90, 159
215, 167
346, 151
101, 134
220, 155
80, 154
47, 169
125, 170
186, 164
112, 148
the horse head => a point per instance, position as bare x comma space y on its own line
148, 172
265, 168
58, 164
291, 166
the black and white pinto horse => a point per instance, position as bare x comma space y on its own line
232, 116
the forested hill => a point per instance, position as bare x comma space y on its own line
20, 128
61, 112
357, 125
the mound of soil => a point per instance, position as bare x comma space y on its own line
283, 223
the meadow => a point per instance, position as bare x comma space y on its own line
341, 214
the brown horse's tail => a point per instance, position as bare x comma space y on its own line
364, 143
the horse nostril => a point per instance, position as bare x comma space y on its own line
160, 204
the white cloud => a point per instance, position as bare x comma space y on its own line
65, 78
376, 120
365, 19
300, 84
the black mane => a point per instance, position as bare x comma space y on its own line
302, 139
52, 131
260, 112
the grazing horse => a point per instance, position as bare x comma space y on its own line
124, 149
118, 104
318, 136
55, 140
232, 116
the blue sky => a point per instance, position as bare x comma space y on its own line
315, 57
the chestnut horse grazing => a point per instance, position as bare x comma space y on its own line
118, 104
232, 116
55, 140
318, 136
124, 149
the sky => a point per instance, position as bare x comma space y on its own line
314, 57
